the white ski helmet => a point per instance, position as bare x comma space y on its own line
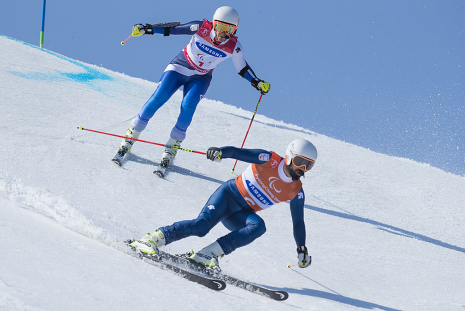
227, 14
301, 147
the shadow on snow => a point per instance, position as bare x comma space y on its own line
172, 168
387, 228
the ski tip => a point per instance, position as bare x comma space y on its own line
280, 295
79, 128
218, 285
159, 174
117, 162
232, 171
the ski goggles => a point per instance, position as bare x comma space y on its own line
303, 163
224, 27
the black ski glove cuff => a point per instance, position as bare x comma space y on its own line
148, 29
255, 82
262, 86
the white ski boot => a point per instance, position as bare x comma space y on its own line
126, 145
170, 153
150, 243
208, 256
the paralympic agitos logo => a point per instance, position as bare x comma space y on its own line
272, 180
209, 50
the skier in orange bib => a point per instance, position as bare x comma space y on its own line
268, 180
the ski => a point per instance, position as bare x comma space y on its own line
179, 259
157, 261
273, 294
118, 159
119, 156
117, 162
160, 172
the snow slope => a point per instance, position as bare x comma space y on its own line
384, 233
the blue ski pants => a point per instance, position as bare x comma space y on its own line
225, 205
195, 88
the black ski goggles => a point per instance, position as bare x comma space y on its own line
303, 163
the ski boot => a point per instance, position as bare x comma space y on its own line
126, 145
149, 243
208, 256
168, 156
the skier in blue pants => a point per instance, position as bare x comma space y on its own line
233, 212
270, 179
211, 44
170, 81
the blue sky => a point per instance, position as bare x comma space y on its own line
388, 76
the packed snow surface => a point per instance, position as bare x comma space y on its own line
384, 233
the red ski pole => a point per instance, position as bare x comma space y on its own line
232, 171
143, 141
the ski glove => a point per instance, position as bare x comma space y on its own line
262, 86
304, 259
214, 154
139, 30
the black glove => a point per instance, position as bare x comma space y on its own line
262, 86
139, 30
304, 259
214, 154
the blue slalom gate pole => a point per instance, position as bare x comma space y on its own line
43, 26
